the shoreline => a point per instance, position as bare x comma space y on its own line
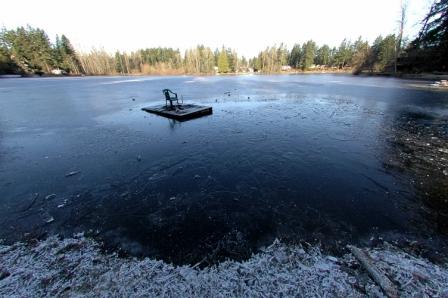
406, 76
76, 266
409, 76
7, 76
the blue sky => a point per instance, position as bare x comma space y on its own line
247, 26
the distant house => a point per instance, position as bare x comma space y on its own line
286, 68
57, 71
245, 69
321, 67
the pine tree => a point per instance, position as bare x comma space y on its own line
361, 52
435, 28
372, 61
31, 49
70, 62
7, 65
216, 55
232, 60
223, 63
244, 62
255, 63
432, 43
295, 56
282, 55
323, 55
344, 54
309, 52
118, 63
386, 54
57, 52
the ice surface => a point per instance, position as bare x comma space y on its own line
324, 159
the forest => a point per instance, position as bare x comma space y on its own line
29, 51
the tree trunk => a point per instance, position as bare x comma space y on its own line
403, 8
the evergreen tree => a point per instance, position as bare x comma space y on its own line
57, 53
70, 61
431, 45
235, 61
216, 55
223, 62
206, 59
7, 65
118, 63
244, 62
309, 53
232, 59
43, 53
434, 32
65, 56
333, 53
374, 54
255, 63
295, 56
361, 52
380, 57
323, 55
386, 53
343, 55
282, 55
30, 48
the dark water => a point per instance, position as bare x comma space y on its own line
317, 158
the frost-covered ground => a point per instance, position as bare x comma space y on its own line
77, 267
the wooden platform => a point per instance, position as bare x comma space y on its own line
183, 112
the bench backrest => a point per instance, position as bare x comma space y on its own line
167, 94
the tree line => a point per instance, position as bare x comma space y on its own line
30, 51
358, 55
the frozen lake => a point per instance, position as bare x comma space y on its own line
318, 158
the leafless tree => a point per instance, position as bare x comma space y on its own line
401, 24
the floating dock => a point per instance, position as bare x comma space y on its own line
181, 112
